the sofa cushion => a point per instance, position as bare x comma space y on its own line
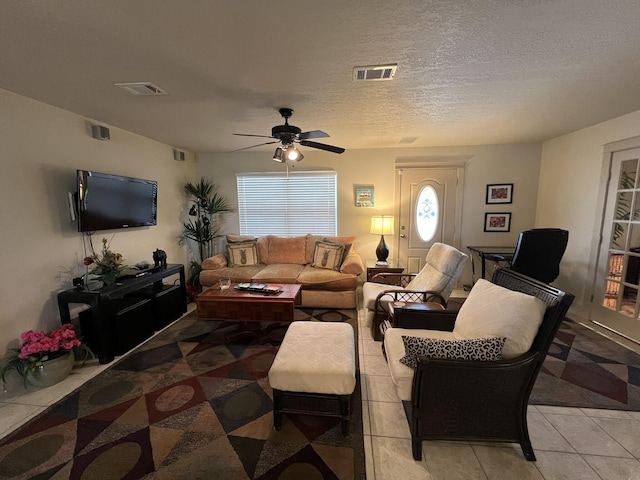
328, 255
312, 278
279, 273
286, 250
352, 264
242, 254
217, 261
494, 311
312, 239
236, 274
485, 349
263, 249
240, 238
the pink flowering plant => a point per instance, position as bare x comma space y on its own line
38, 347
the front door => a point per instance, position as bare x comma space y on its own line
429, 210
616, 303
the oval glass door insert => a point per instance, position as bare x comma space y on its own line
427, 213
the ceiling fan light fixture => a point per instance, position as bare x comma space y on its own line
287, 136
293, 154
278, 156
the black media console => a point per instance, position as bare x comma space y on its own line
125, 314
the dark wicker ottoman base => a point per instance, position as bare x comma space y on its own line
321, 404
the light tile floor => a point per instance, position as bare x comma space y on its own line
570, 443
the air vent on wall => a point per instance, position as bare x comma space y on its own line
375, 72
178, 155
141, 88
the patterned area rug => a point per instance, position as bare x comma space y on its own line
586, 369
194, 402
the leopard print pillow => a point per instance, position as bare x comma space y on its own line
486, 349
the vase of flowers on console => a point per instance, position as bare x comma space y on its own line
107, 264
45, 359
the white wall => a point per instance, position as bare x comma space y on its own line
570, 181
41, 251
517, 164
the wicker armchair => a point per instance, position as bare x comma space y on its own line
434, 283
472, 399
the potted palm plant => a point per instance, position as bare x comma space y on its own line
206, 205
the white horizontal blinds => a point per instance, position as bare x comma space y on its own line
287, 204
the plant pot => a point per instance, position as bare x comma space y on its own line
110, 278
52, 371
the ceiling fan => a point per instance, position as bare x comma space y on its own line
288, 136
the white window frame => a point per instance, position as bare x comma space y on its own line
287, 203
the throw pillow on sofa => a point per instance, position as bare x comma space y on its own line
485, 349
347, 247
242, 254
328, 255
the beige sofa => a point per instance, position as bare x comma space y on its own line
328, 277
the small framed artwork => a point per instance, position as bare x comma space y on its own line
363, 195
497, 222
500, 193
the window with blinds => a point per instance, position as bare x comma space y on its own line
287, 204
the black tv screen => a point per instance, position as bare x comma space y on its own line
107, 202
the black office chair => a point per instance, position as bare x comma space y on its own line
538, 253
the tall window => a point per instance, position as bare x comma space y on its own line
287, 203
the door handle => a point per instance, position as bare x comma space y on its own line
402, 235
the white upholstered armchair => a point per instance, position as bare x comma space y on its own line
435, 282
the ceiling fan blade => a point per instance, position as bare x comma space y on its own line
249, 135
313, 134
254, 146
322, 146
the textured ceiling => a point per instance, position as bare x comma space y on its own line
469, 71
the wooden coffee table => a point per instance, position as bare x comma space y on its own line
247, 306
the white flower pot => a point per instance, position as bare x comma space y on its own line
52, 371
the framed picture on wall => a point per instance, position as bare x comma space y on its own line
363, 195
497, 222
499, 193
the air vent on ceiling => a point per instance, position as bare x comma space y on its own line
141, 88
375, 72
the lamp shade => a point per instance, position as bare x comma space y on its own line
278, 156
293, 154
382, 224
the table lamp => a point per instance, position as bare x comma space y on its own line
382, 225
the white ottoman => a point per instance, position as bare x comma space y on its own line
314, 372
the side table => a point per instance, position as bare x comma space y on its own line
373, 269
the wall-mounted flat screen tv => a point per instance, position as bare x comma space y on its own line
107, 202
